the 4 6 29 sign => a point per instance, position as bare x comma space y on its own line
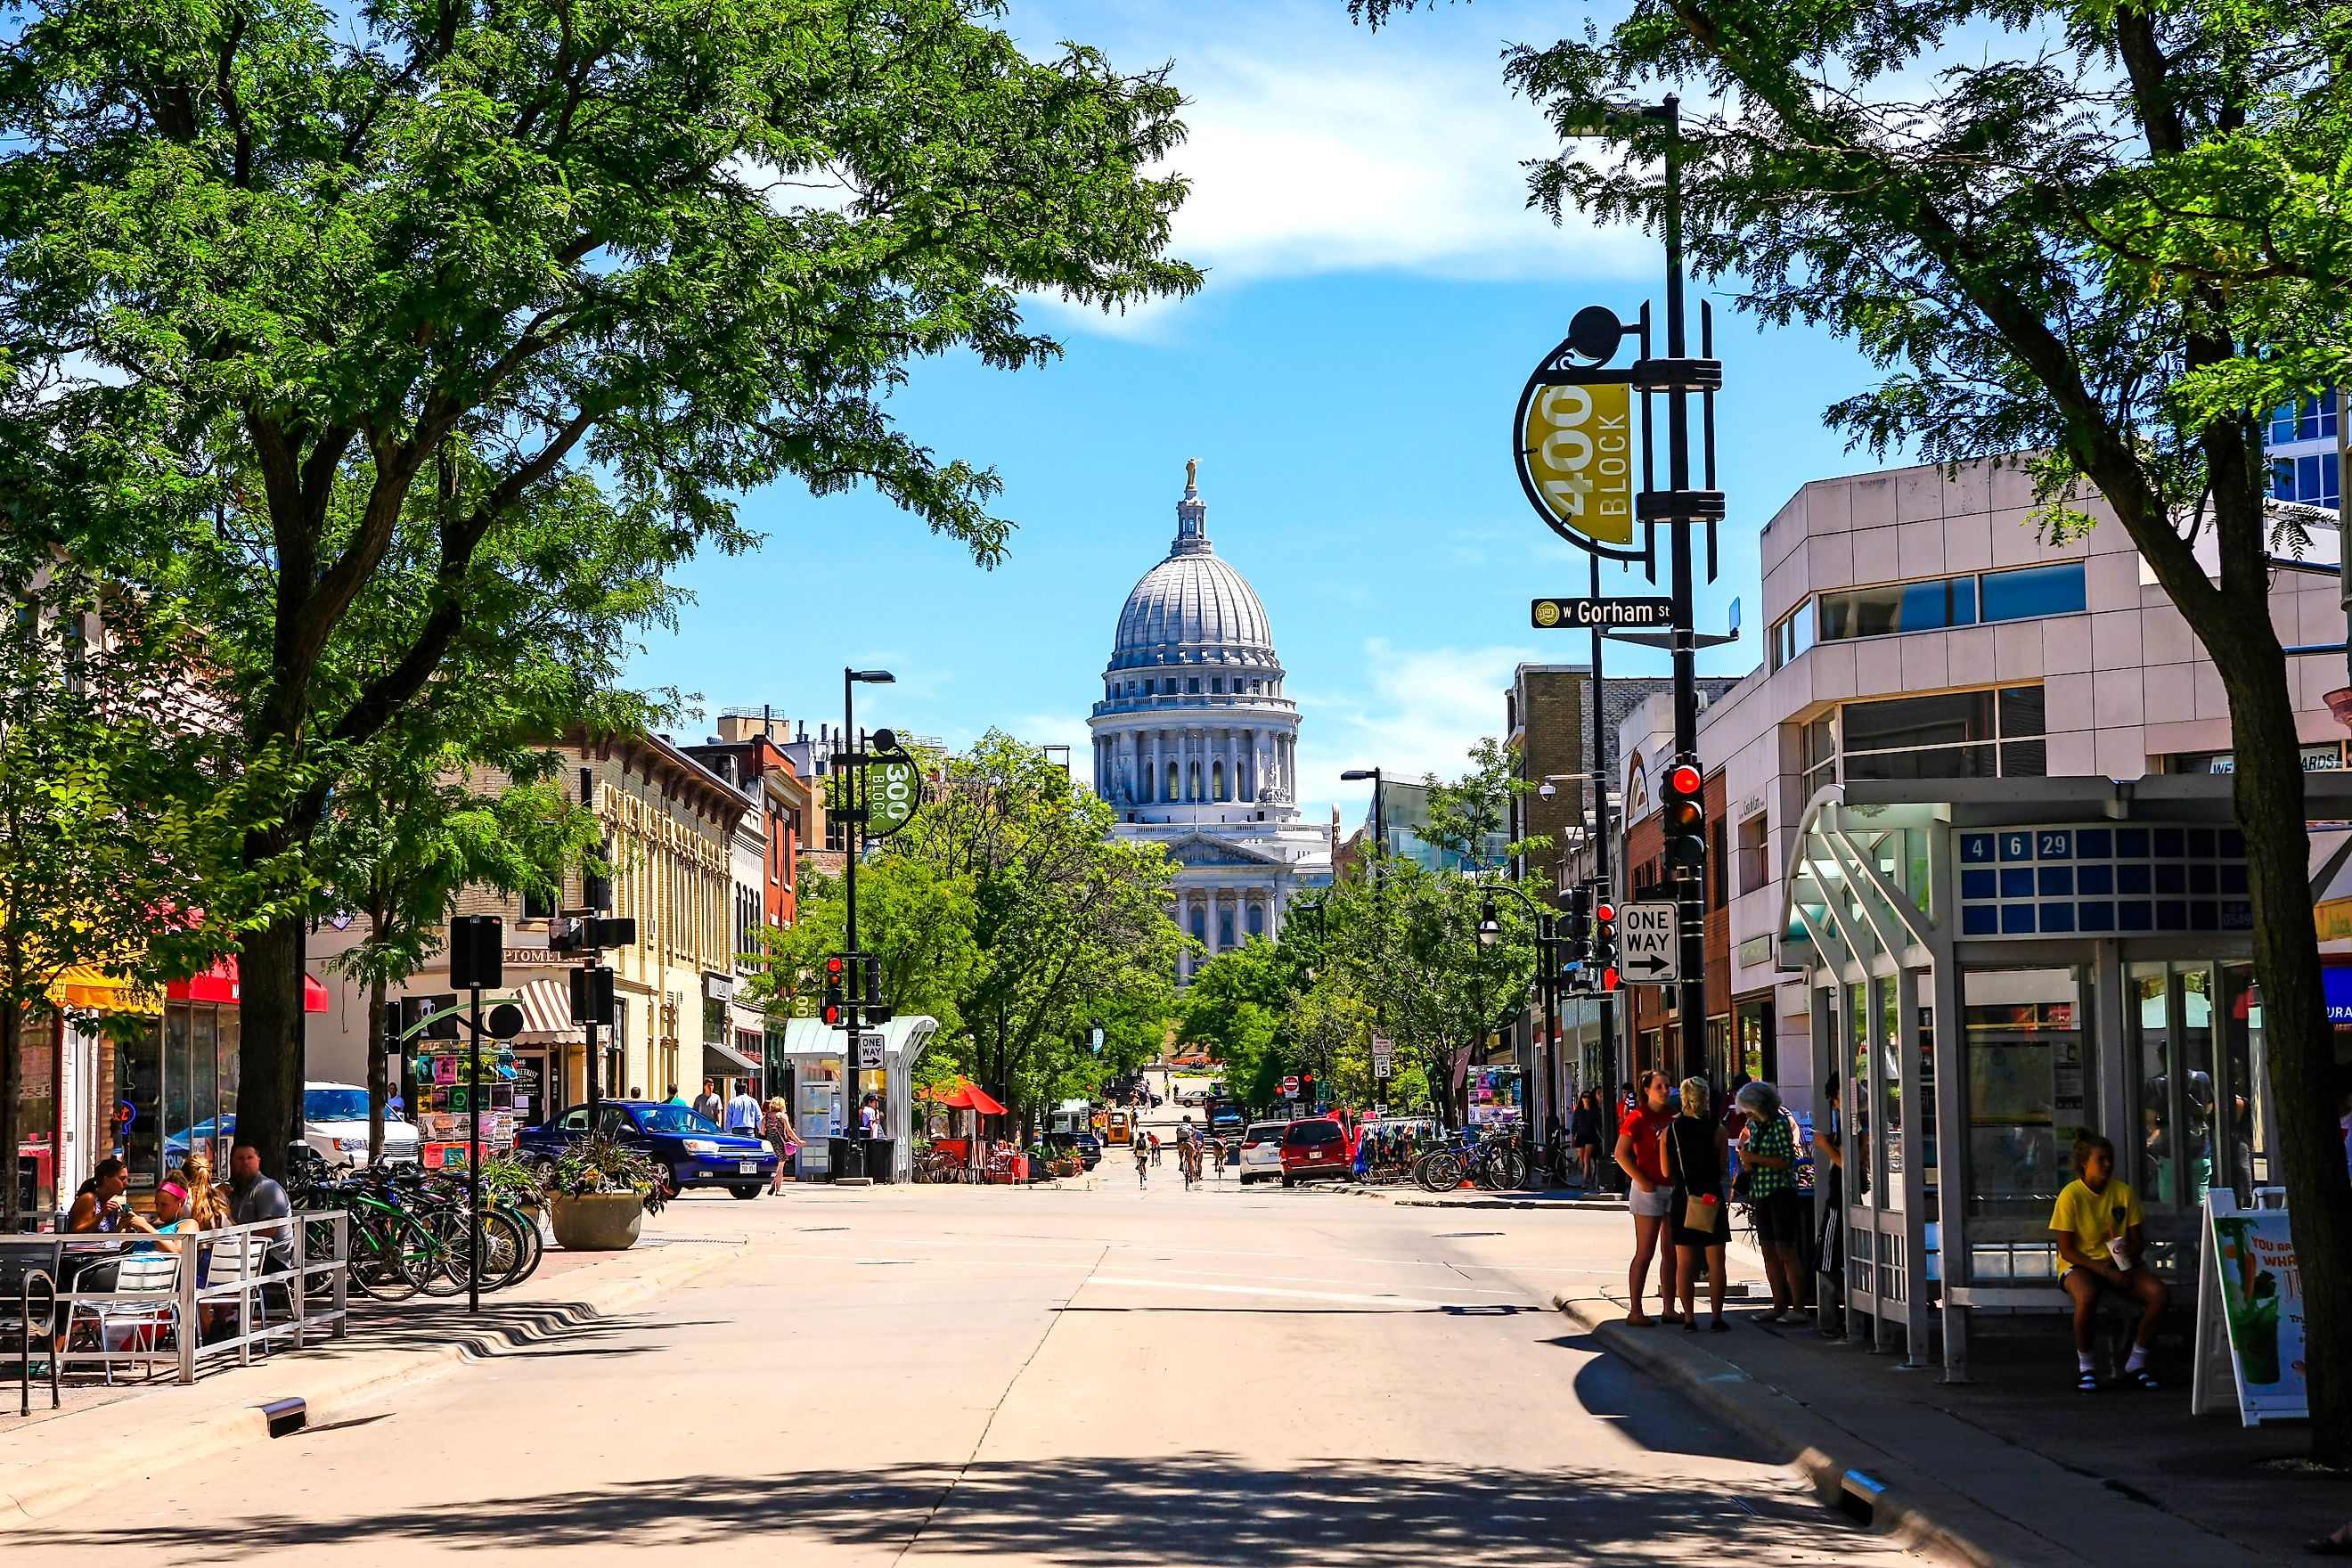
1572, 443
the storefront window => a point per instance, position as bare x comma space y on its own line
2030, 1086
36, 1156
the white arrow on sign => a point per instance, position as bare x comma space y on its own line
1649, 953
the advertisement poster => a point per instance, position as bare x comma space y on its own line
1495, 1096
2261, 1306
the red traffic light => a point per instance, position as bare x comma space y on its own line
832, 967
1604, 911
1608, 978
1684, 779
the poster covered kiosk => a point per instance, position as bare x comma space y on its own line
810, 1067
1991, 967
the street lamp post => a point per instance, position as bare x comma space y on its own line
1490, 932
1379, 808
852, 755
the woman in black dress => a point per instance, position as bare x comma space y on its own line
1695, 1160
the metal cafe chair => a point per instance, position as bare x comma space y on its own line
29, 1273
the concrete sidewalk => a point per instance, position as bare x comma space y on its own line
2014, 1470
52, 1461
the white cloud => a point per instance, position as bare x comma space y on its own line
1318, 146
1420, 713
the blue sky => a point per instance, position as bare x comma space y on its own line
1377, 294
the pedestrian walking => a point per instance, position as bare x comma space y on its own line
1641, 1155
708, 1105
1584, 1133
744, 1113
1701, 1215
778, 1129
869, 1113
1768, 1157
1829, 1141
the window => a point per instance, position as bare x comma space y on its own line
1147, 689
1217, 684
1953, 734
1935, 604
1792, 635
2312, 480
2307, 419
1753, 869
2056, 590
1192, 685
1899, 607
538, 904
1817, 753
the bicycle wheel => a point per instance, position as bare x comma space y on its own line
1440, 1170
378, 1270
534, 1244
1511, 1169
438, 1248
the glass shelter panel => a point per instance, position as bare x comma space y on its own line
2246, 1067
2028, 1090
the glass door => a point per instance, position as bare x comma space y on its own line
2243, 1093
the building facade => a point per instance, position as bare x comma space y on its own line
1975, 887
1195, 746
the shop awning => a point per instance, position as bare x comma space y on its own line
724, 1060
968, 1096
546, 1005
219, 984
86, 986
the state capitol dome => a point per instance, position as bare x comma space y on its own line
1195, 745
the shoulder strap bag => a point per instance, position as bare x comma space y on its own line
1697, 1213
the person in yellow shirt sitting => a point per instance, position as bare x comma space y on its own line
2102, 1242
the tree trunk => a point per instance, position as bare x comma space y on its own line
270, 1059
2268, 792
379, 1077
11, 1080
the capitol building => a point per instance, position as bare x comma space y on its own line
1196, 747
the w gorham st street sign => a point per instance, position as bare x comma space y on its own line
1583, 615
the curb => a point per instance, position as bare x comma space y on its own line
1905, 1504
86, 1454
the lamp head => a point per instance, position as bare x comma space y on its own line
872, 677
1357, 775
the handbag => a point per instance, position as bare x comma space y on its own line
1700, 1210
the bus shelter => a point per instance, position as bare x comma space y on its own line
1992, 967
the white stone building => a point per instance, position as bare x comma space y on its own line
1196, 746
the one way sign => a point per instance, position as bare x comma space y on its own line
1648, 953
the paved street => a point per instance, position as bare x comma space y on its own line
1103, 1376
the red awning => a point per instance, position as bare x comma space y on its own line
970, 1096
219, 984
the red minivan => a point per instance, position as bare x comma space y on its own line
1317, 1148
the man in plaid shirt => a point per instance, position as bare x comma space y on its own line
1767, 1156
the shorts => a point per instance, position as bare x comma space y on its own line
1781, 1219
1656, 1203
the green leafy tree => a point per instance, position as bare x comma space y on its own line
1007, 911
2110, 235
113, 809
265, 274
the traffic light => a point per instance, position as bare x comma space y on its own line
1602, 958
1306, 1091
836, 971
1576, 927
1682, 814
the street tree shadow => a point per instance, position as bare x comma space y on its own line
1107, 1512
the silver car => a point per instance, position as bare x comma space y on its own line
1262, 1151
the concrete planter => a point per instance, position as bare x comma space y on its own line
600, 1221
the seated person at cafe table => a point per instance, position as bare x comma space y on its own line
2102, 1246
100, 1206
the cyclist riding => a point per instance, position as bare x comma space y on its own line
1187, 1151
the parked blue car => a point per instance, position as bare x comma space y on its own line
696, 1153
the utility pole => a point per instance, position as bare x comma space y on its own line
1599, 770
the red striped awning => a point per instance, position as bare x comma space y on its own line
546, 1005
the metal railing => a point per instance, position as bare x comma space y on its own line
229, 1276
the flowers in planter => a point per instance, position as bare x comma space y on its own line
601, 1163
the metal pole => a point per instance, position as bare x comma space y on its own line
1690, 999
853, 840
1600, 774
474, 1152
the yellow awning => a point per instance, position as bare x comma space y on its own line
86, 986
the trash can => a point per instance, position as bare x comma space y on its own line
843, 1157
882, 1159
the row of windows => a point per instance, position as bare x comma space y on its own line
1167, 688
2308, 420
2312, 481
1993, 733
1935, 604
